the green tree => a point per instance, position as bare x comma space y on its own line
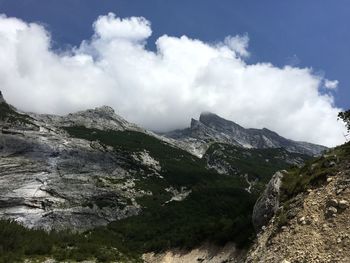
345, 116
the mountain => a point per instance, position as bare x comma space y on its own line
212, 128
123, 190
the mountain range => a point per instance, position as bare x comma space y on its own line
94, 171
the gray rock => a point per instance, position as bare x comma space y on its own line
332, 202
343, 204
268, 203
331, 211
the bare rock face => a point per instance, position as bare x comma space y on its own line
268, 203
49, 179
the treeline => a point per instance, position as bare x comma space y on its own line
18, 243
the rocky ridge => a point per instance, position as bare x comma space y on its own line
212, 128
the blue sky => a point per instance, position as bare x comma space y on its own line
313, 33
277, 64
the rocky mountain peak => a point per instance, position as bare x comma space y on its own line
107, 110
103, 112
101, 118
208, 116
213, 128
215, 121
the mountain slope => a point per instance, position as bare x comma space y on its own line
212, 128
311, 223
256, 166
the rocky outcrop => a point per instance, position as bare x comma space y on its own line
212, 128
268, 203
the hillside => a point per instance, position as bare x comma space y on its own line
311, 223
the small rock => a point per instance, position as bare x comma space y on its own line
333, 202
331, 211
339, 191
329, 179
343, 204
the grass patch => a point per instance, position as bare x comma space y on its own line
314, 172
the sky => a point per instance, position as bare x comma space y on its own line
282, 65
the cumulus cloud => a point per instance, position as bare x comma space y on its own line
131, 29
161, 90
331, 84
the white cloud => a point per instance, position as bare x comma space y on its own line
239, 44
110, 27
331, 84
162, 90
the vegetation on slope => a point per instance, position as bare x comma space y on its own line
7, 114
217, 209
313, 172
345, 116
257, 164
18, 243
